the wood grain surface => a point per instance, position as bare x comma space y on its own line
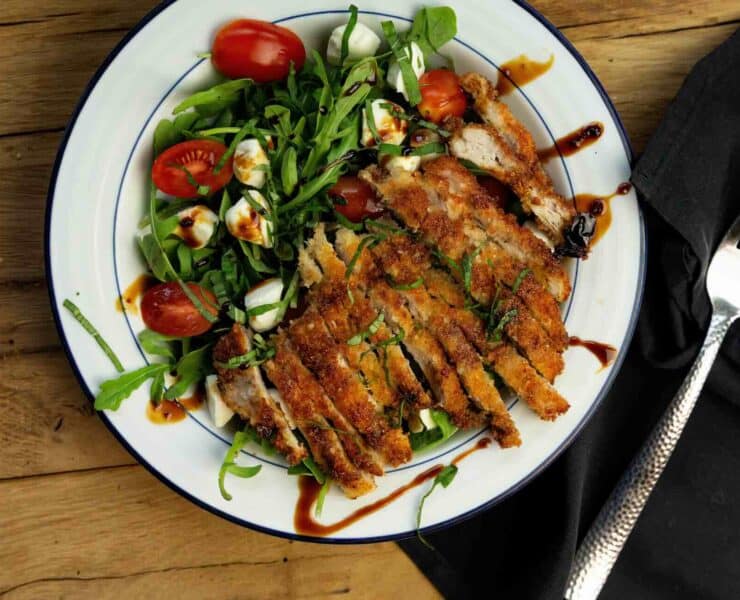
78, 516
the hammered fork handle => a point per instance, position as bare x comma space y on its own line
609, 532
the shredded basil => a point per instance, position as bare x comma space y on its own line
87, 326
443, 478
519, 279
229, 463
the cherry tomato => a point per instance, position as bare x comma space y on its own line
441, 95
167, 310
256, 49
360, 201
199, 157
500, 193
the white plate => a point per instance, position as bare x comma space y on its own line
98, 193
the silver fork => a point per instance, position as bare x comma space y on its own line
609, 532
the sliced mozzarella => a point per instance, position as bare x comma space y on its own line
422, 137
275, 395
395, 77
196, 225
425, 416
267, 292
249, 162
220, 413
391, 130
363, 42
244, 221
403, 163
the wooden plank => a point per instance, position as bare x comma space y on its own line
26, 324
120, 533
47, 425
642, 76
25, 165
47, 62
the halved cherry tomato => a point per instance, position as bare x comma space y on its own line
198, 157
441, 95
256, 49
359, 198
167, 310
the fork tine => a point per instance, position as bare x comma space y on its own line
733, 235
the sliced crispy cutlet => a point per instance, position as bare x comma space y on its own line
440, 228
461, 189
485, 146
338, 451
516, 372
243, 390
444, 382
324, 357
384, 365
290, 368
395, 257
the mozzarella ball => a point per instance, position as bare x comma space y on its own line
363, 42
220, 413
196, 225
391, 130
267, 292
248, 156
402, 163
394, 77
245, 222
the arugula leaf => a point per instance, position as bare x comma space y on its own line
156, 344
433, 437
190, 368
432, 28
289, 171
229, 465
87, 326
222, 94
115, 391
168, 133
443, 478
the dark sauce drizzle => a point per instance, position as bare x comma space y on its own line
305, 523
573, 142
172, 411
603, 352
520, 71
591, 223
131, 294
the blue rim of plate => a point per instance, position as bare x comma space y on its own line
329, 540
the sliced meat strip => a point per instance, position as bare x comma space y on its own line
324, 357
325, 443
391, 378
516, 372
440, 229
244, 391
499, 240
335, 444
485, 146
421, 345
461, 189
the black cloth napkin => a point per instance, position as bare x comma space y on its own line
687, 541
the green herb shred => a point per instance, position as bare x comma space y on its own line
87, 326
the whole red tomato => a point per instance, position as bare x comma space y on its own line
175, 170
359, 199
256, 49
441, 95
167, 310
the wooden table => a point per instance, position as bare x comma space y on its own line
78, 516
